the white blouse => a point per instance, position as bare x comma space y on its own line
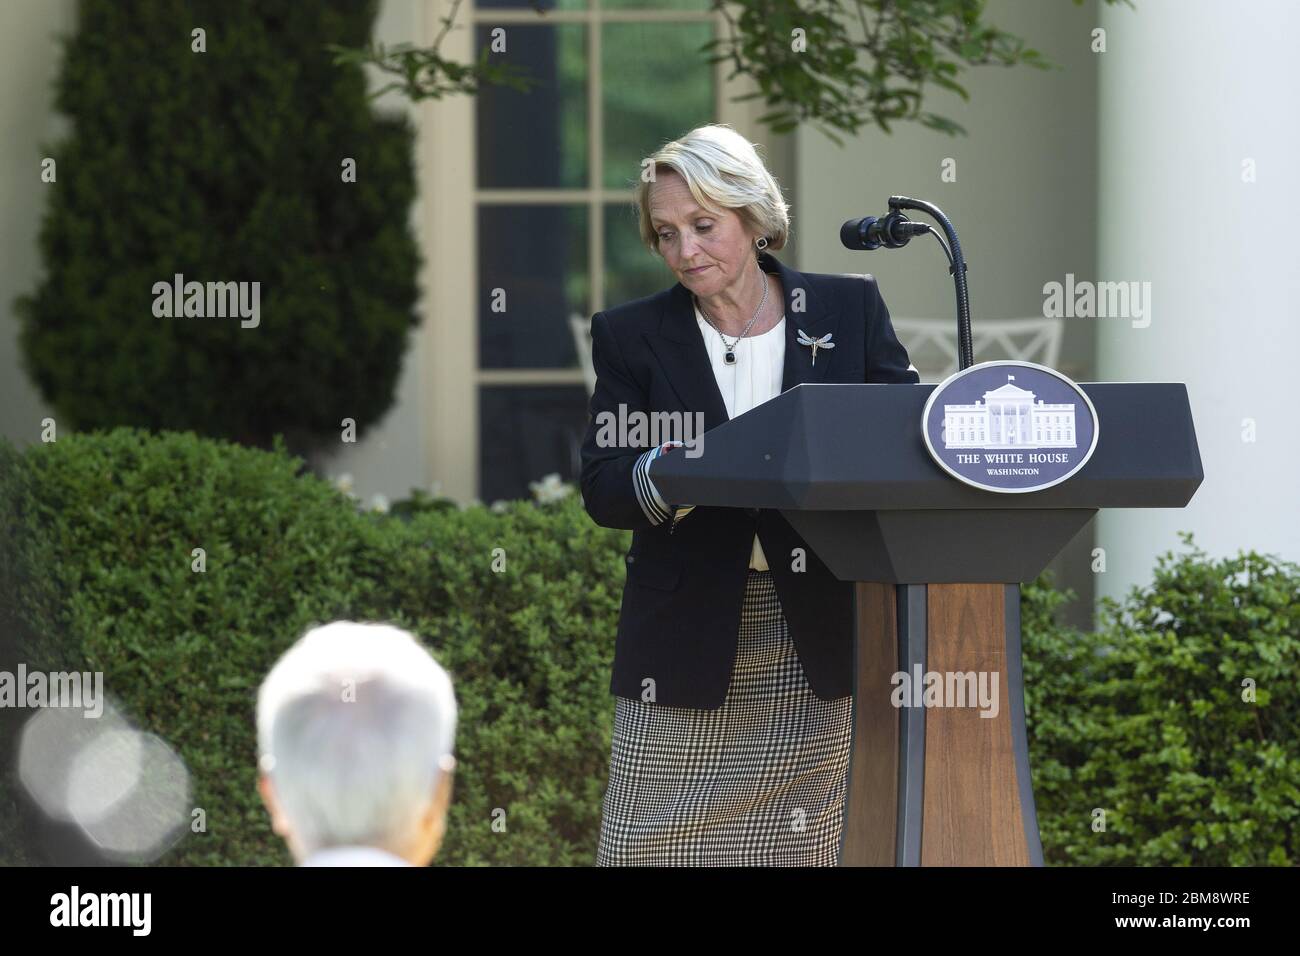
754, 379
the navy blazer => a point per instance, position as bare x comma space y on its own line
682, 597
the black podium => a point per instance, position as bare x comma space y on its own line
937, 566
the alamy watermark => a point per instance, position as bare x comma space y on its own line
946, 689
1098, 300
637, 429
75, 908
211, 300
75, 689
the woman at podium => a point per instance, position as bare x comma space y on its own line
732, 662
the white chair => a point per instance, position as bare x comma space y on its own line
932, 343
580, 325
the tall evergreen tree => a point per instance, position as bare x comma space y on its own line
222, 156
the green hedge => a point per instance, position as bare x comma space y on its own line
1142, 718
98, 566
1145, 718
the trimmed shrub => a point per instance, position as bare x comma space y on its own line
1149, 726
223, 166
97, 574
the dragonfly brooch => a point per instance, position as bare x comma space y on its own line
824, 342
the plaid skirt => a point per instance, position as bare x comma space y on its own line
761, 781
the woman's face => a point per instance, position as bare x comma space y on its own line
716, 245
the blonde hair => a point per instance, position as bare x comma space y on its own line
723, 170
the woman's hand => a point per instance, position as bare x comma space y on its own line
679, 511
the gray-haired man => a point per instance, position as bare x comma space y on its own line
356, 725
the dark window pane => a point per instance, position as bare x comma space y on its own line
631, 270
658, 86
526, 433
537, 257
531, 5
654, 4
536, 138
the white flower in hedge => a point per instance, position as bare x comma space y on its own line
500, 506
379, 503
344, 484
549, 489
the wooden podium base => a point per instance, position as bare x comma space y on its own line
945, 784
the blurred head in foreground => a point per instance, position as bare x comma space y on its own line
356, 724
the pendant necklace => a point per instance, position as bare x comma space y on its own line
730, 357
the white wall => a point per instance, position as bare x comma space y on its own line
29, 59
1188, 90
392, 457
1024, 202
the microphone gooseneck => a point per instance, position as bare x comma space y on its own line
894, 230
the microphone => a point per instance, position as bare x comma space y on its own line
892, 232
895, 230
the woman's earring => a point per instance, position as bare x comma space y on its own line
761, 243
